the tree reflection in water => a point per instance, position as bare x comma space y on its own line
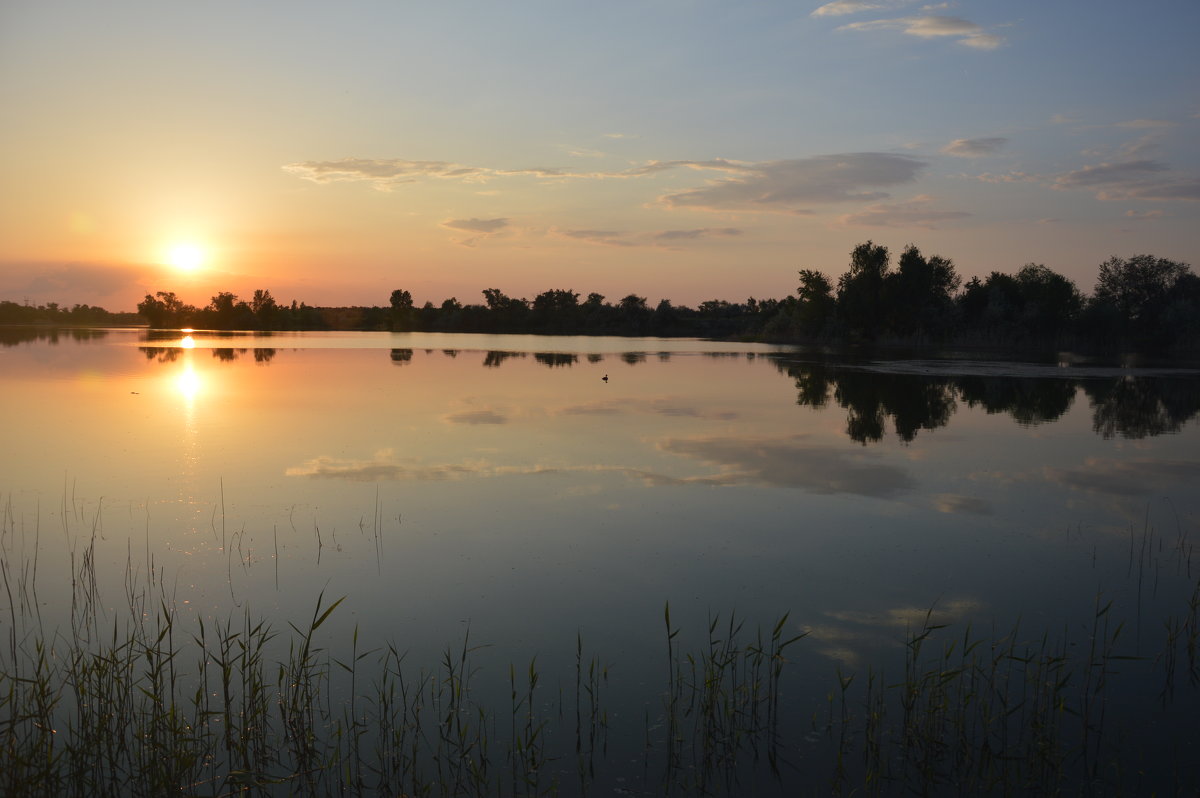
1140, 408
1129, 407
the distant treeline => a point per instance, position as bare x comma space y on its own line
52, 314
1141, 302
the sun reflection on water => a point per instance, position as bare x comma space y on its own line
188, 342
189, 384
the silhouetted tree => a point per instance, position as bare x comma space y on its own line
264, 308
918, 294
860, 290
1141, 288
815, 305
1050, 302
402, 317
165, 309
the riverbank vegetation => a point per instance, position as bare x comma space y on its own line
1141, 303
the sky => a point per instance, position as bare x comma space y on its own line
681, 149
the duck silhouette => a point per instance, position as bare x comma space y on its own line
605, 378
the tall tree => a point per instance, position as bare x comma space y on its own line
816, 305
860, 290
1139, 285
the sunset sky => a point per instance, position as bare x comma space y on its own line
688, 149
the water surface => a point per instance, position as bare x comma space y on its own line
502, 483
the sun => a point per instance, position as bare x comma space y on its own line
186, 256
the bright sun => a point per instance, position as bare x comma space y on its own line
186, 257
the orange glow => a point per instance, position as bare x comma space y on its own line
186, 256
189, 383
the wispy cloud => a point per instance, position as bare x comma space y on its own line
481, 229
784, 186
791, 462
1134, 179
611, 238
1011, 177
485, 416
1142, 179
1109, 173
974, 148
840, 8
916, 212
1125, 478
954, 503
477, 225
700, 232
912, 617
387, 173
790, 185
663, 406
1146, 124
933, 27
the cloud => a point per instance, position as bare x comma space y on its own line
1109, 173
584, 152
783, 186
1127, 180
1011, 177
387, 173
1126, 478
789, 462
1139, 215
787, 185
617, 238
384, 172
477, 225
953, 503
974, 148
1145, 124
612, 238
381, 468
916, 212
1142, 144
933, 26
476, 417
663, 406
909, 617
839, 8
701, 232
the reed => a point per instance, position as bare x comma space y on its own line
144, 702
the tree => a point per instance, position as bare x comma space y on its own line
918, 293
860, 289
1050, 301
815, 309
401, 300
164, 309
556, 310
507, 313
402, 315
1138, 286
264, 307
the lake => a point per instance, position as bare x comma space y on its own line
527, 493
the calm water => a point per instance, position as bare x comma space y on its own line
499, 481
